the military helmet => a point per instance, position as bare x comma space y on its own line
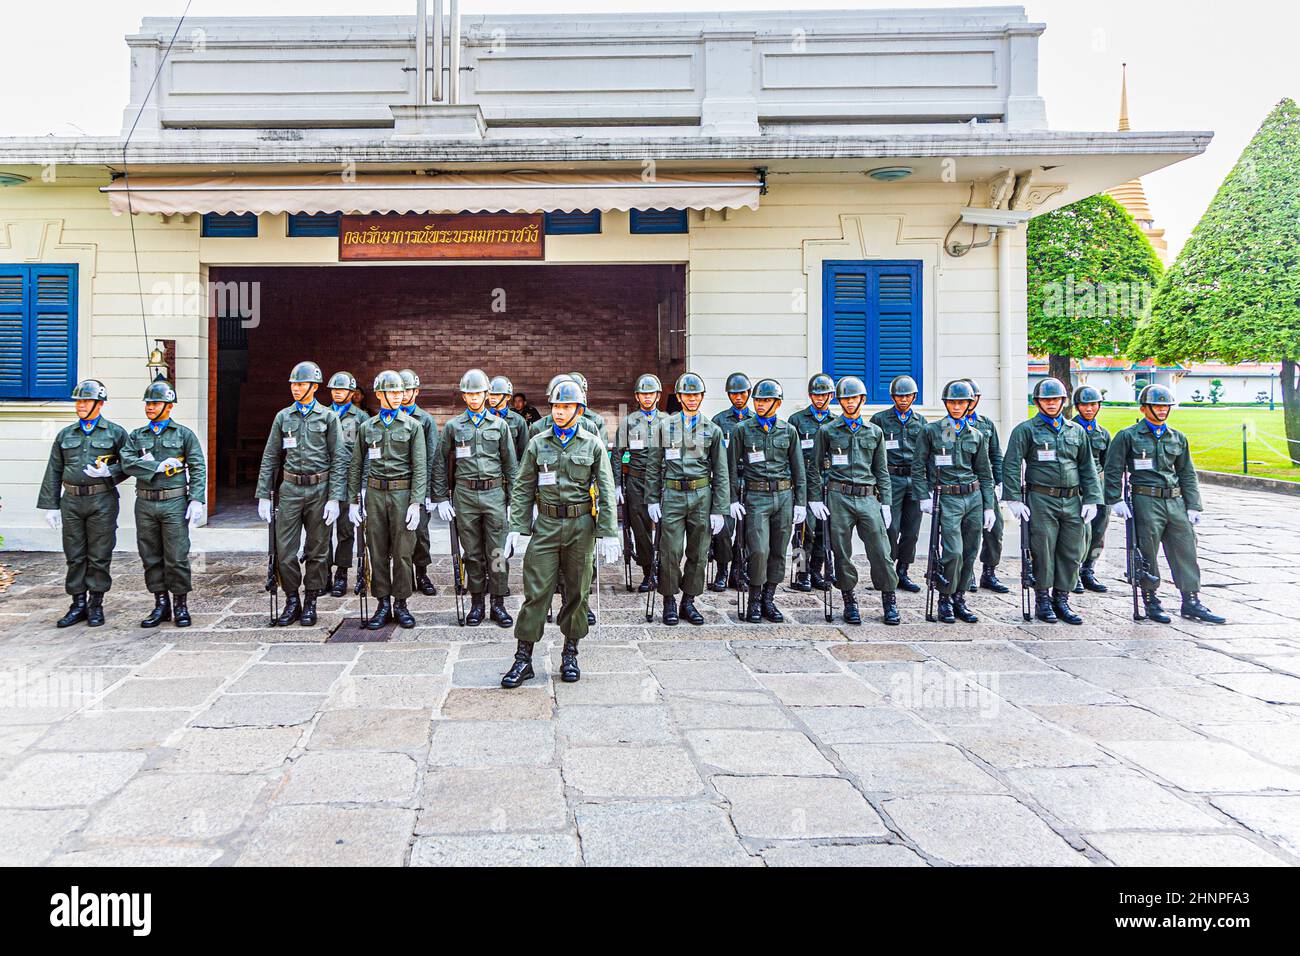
389, 381
343, 380
903, 385
648, 383
974, 387
556, 380
409, 379
308, 372
92, 389
958, 391
688, 383
160, 390
580, 379
565, 391
1049, 388
501, 385
1156, 395
821, 384
769, 388
1086, 395
475, 380
850, 387
738, 382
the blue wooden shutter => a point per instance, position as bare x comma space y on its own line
229, 225
658, 221
38, 331
314, 224
572, 223
13, 318
871, 324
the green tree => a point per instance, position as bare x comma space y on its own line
1091, 278
1234, 292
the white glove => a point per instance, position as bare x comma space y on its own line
513, 540
428, 505
819, 510
800, 514
887, 515
611, 549
1193, 516
1019, 510
618, 493
927, 506
413, 516
737, 511
196, 512
656, 512
98, 470
534, 514
54, 519
990, 519
264, 509
1120, 509
1088, 512
354, 513
330, 512
175, 464
446, 511
997, 491
715, 524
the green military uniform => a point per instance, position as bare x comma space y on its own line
686, 474
392, 457
423, 556
87, 505
518, 426
305, 453
558, 478
1060, 475
161, 530
351, 417
900, 437
991, 547
851, 459
1098, 442
807, 422
637, 436
769, 463
723, 542
956, 456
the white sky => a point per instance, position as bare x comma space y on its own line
1193, 65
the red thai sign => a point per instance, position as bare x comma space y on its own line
442, 236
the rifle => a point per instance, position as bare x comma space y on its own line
650, 595
1027, 577
741, 550
934, 579
595, 538
272, 550
457, 567
828, 600
1136, 568
363, 566
628, 544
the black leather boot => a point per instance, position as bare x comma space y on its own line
770, 610
944, 612
422, 582
340, 585
95, 609
403, 615
690, 611
819, 580
497, 611
802, 581
1043, 609
961, 611
1194, 610
989, 581
76, 612
181, 612
383, 614
475, 616
1088, 578
1078, 584
292, 610
591, 618
569, 671
851, 613
162, 611
646, 583
1151, 601
1061, 605
670, 611
719, 583
904, 582
754, 610
889, 602
733, 577
522, 669
308, 618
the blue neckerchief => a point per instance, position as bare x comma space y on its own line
341, 410
688, 424
157, 427
959, 423
1088, 425
903, 418
766, 423
853, 423
387, 416
305, 409
563, 434
409, 409
972, 418
1056, 422
499, 412
1157, 430
88, 425
821, 416
476, 418
741, 413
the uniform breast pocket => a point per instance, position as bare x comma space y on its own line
70, 442
781, 443
172, 443
579, 466
349, 432
546, 468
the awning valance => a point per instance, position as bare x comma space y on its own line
444, 192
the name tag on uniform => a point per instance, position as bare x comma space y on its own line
756, 456
1047, 454
290, 441
806, 443
636, 444
372, 452
839, 459
147, 456
672, 454
891, 444
943, 461
1144, 464
546, 477
464, 451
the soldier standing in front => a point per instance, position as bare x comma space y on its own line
343, 387
1087, 405
991, 546
738, 388
902, 427
423, 548
810, 558
634, 439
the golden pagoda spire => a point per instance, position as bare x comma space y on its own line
1124, 126
1131, 195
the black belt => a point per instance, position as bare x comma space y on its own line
296, 479
681, 484
1054, 492
900, 471
389, 484
478, 484
852, 490
782, 484
563, 511
79, 491
958, 489
164, 494
1157, 492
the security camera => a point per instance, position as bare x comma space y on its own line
994, 218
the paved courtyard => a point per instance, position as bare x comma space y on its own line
728, 744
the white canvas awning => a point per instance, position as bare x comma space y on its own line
445, 192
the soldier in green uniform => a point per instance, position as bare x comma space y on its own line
738, 389
1059, 497
764, 454
499, 394
471, 486
79, 495
171, 491
1087, 404
811, 555
849, 455
305, 453
543, 424
991, 548
688, 491
902, 427
954, 454
342, 387
635, 437
565, 473
390, 454
423, 553
1166, 500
